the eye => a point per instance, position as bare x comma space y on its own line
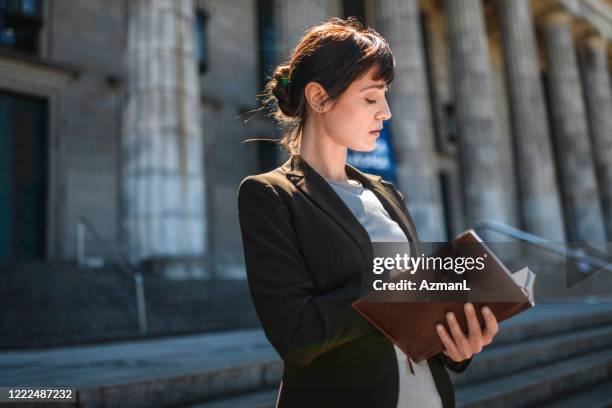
370, 101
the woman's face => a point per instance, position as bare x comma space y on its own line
359, 111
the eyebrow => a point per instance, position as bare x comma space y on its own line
379, 86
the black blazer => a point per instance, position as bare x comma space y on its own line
304, 253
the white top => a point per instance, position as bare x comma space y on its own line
418, 390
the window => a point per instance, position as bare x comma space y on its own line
445, 181
267, 39
20, 24
452, 131
201, 50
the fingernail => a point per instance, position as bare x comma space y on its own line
450, 315
469, 306
438, 327
486, 310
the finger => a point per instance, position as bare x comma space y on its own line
472, 320
475, 332
458, 336
492, 327
449, 344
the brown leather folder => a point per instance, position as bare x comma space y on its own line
409, 319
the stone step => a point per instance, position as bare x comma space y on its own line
599, 396
514, 357
107, 329
183, 388
182, 370
151, 372
49, 304
540, 384
499, 361
502, 360
260, 399
557, 344
559, 318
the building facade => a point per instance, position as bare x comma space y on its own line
132, 115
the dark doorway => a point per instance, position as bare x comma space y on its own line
446, 191
23, 177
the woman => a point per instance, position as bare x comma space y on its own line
308, 227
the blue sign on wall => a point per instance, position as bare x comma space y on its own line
379, 161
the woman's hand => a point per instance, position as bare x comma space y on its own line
460, 347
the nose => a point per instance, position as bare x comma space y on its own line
385, 114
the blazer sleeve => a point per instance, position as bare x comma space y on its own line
456, 366
299, 324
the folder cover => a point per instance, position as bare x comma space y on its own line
410, 323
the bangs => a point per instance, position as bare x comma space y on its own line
376, 53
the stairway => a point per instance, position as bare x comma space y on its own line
556, 355
537, 362
48, 304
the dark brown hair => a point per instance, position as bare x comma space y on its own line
334, 54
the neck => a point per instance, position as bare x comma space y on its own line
322, 154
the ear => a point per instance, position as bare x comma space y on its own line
315, 94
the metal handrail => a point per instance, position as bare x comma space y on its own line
543, 243
84, 225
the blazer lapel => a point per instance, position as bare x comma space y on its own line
311, 183
322, 194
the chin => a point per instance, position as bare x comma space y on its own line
372, 147
364, 148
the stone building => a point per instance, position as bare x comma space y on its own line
121, 136
133, 114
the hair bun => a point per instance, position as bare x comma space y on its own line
281, 89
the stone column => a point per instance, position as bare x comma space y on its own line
162, 167
540, 198
480, 155
398, 21
598, 94
569, 117
294, 17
